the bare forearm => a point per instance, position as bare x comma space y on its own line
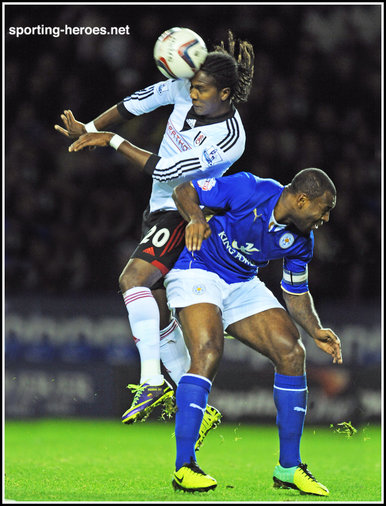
135, 155
302, 310
108, 118
74, 129
186, 200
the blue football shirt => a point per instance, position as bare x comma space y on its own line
245, 235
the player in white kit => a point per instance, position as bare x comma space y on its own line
204, 136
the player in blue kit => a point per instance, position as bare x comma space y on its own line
204, 136
213, 287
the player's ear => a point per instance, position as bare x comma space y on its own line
301, 200
225, 94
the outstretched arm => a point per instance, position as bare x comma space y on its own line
74, 129
137, 156
138, 103
188, 204
302, 309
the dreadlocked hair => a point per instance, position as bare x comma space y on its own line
231, 70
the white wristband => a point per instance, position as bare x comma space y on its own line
90, 127
116, 141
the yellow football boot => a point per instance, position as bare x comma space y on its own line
211, 419
190, 478
299, 478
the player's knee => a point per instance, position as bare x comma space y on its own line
292, 357
213, 351
206, 358
208, 352
299, 353
131, 277
124, 282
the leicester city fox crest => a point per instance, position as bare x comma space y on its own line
286, 240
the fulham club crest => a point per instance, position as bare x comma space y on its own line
199, 139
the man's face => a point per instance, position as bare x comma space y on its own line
312, 214
206, 98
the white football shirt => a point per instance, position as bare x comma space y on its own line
193, 147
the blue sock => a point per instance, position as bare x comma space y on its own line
191, 399
290, 396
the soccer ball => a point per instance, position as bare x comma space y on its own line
179, 53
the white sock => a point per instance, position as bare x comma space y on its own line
144, 321
174, 353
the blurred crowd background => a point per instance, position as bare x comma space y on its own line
72, 220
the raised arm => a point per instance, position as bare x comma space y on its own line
136, 156
138, 103
108, 118
188, 205
302, 310
74, 129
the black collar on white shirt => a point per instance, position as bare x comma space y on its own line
193, 120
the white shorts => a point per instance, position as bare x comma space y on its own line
236, 300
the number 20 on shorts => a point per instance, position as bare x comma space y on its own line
158, 238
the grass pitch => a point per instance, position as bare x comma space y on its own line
106, 461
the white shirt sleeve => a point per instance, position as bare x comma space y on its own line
208, 160
154, 96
